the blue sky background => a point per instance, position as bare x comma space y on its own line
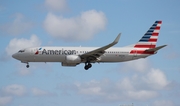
153, 81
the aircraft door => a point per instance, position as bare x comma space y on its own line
34, 53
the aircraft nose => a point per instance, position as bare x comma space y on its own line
15, 55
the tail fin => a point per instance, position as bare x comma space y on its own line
150, 37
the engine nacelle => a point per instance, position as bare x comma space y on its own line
73, 59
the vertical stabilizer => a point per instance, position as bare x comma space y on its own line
150, 37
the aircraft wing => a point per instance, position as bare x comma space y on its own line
94, 54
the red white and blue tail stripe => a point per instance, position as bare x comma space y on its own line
150, 37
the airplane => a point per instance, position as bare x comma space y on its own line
72, 56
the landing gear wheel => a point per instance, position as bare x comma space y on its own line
27, 65
87, 66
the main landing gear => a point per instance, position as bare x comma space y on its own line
87, 66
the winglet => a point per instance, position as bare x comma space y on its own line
117, 39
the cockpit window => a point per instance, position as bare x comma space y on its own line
21, 51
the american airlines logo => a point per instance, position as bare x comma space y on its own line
55, 52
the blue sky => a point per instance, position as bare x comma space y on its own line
153, 81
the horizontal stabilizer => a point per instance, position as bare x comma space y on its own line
155, 49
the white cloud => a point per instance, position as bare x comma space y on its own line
106, 90
17, 44
142, 94
82, 27
39, 92
140, 87
18, 26
140, 65
163, 103
125, 84
90, 88
56, 5
5, 100
156, 79
14, 89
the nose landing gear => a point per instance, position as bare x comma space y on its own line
27, 66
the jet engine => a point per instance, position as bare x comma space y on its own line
73, 59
